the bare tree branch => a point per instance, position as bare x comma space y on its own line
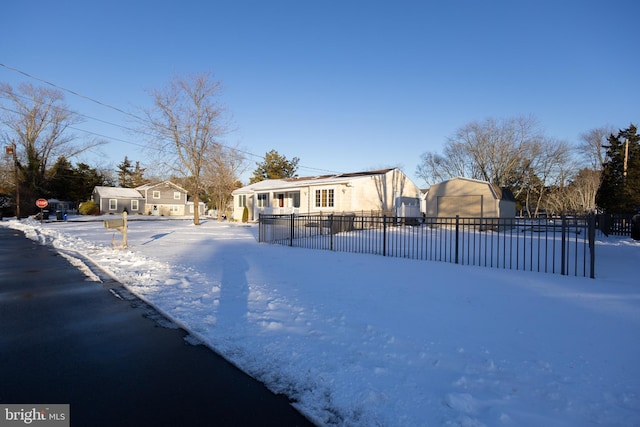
38, 123
188, 122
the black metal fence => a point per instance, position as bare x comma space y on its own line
614, 224
561, 245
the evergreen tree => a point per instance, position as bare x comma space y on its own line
60, 180
130, 176
86, 179
619, 190
137, 176
124, 173
69, 183
275, 166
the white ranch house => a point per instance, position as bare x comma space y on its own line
388, 190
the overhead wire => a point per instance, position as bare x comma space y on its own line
134, 116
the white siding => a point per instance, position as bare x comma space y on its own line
374, 191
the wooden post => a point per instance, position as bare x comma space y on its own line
16, 177
120, 225
124, 229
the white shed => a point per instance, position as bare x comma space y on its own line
469, 198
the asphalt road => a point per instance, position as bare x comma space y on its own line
66, 340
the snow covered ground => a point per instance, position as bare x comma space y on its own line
364, 340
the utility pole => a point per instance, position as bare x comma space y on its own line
626, 157
11, 150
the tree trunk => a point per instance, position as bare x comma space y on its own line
196, 209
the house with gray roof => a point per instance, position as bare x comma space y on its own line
387, 190
162, 199
167, 199
118, 199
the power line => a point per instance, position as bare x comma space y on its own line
106, 105
88, 131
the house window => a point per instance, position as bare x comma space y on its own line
296, 199
242, 200
173, 209
134, 205
263, 200
176, 195
113, 204
324, 198
156, 194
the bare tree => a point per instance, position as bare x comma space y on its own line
452, 163
582, 190
511, 153
220, 177
38, 121
496, 147
548, 167
491, 150
593, 146
585, 184
188, 122
7, 169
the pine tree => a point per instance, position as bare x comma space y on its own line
619, 190
137, 176
130, 176
86, 179
275, 166
60, 180
69, 183
124, 173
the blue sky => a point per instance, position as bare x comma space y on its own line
343, 85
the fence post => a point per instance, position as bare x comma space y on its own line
330, 232
124, 229
291, 228
563, 265
592, 245
384, 235
457, 236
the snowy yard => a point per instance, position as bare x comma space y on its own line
365, 340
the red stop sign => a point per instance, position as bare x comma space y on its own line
42, 203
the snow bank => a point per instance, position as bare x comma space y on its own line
366, 340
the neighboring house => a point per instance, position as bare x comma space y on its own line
117, 199
388, 190
162, 199
165, 199
62, 206
469, 198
